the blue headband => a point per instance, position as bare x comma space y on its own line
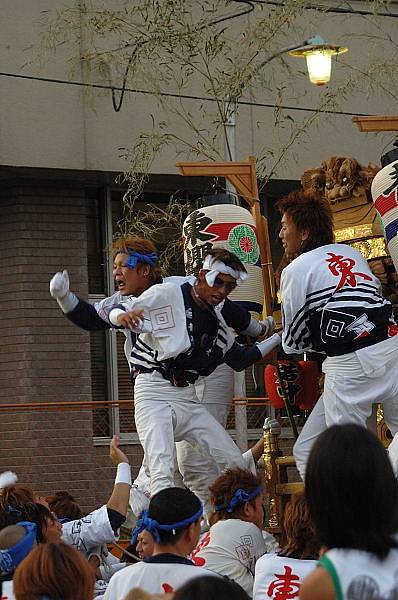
146, 523
11, 557
135, 258
14, 511
239, 497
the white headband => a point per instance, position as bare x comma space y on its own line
215, 267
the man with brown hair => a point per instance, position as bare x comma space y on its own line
332, 303
183, 339
235, 540
136, 270
173, 519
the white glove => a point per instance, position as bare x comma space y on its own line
59, 285
260, 328
7, 479
265, 346
59, 289
268, 325
272, 425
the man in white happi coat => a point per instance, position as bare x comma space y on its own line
332, 303
235, 540
182, 340
135, 270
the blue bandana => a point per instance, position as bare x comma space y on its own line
135, 258
14, 511
145, 522
239, 497
11, 557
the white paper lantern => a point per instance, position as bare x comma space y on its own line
385, 199
232, 227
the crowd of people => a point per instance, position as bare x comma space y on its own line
198, 502
339, 538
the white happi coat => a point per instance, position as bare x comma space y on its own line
153, 577
332, 303
89, 532
280, 576
231, 548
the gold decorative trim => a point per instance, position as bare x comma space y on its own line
373, 248
383, 432
354, 233
362, 239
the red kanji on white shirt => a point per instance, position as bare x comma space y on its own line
198, 560
340, 265
285, 585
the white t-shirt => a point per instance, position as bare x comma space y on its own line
280, 576
360, 575
231, 548
156, 575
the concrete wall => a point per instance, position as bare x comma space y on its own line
59, 126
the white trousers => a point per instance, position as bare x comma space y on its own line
165, 414
353, 383
199, 470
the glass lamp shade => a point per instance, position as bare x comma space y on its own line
319, 58
319, 65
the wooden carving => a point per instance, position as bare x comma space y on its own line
346, 184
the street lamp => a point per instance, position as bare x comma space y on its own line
318, 55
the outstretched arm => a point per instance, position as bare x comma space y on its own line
240, 357
102, 525
241, 320
78, 311
85, 316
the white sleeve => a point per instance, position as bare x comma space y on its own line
296, 337
109, 301
90, 531
105, 307
108, 570
164, 326
248, 459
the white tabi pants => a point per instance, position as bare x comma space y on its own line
353, 383
165, 414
